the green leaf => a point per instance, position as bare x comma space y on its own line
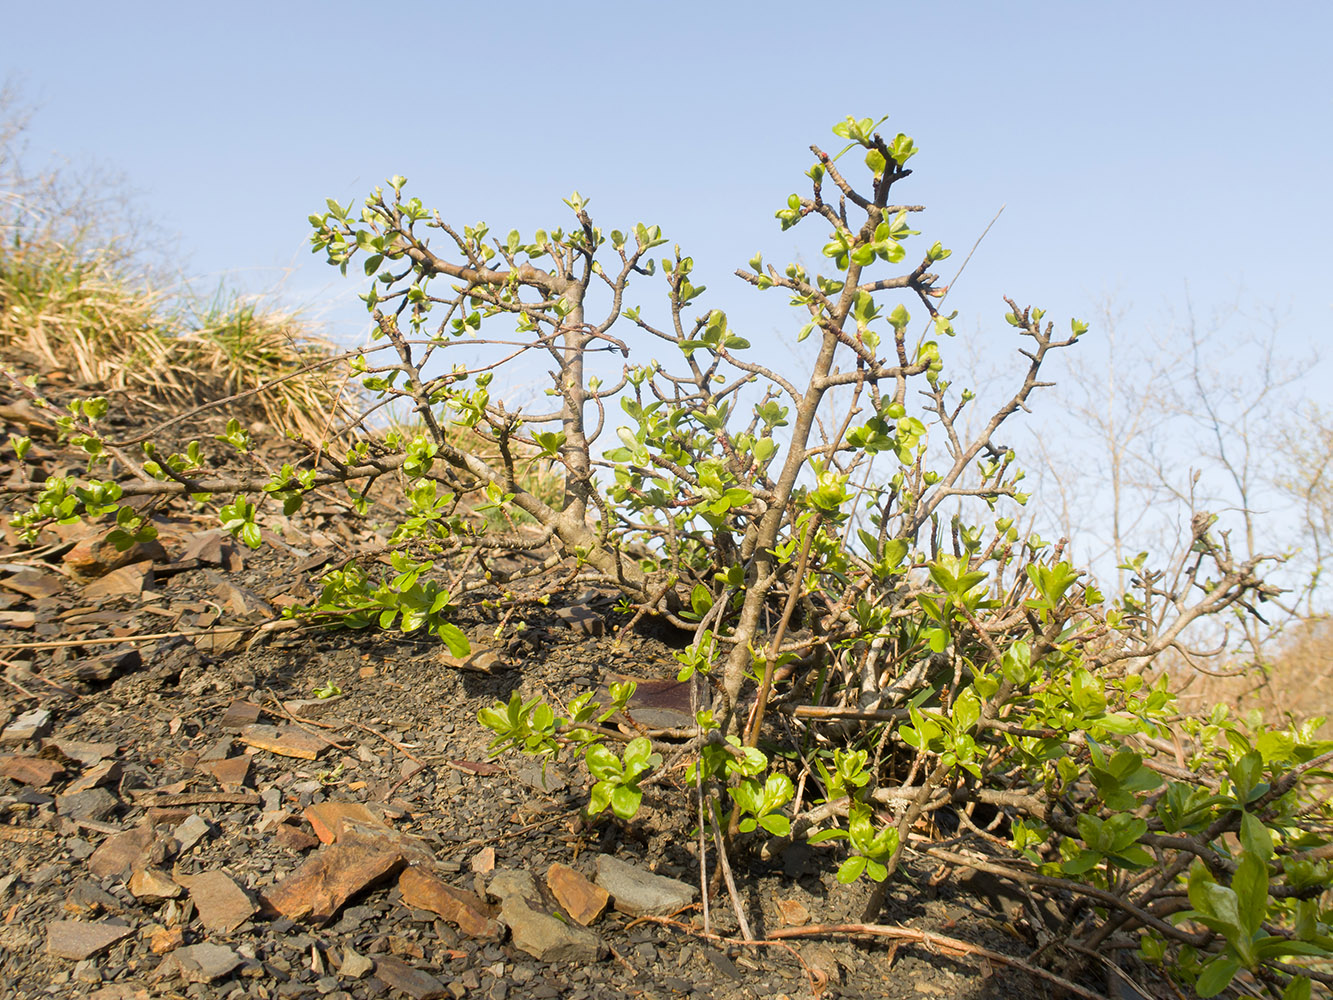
1250, 884
701, 600
602, 763
851, 869
1256, 838
251, 535
625, 801
966, 709
1216, 976
776, 824
454, 639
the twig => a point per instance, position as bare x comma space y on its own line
768, 942
932, 940
404, 780
149, 637
149, 799
725, 867
766, 687
521, 830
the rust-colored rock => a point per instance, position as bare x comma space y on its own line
106, 773
93, 556
417, 984
233, 772
466, 910
239, 714
479, 661
318, 889
294, 838
33, 583
128, 581
118, 853
483, 862
284, 742
80, 939
222, 904
792, 911
35, 771
581, 900
327, 818
165, 939
153, 886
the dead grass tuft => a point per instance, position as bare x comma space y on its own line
77, 313
1296, 685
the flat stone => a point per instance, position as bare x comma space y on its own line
414, 982
118, 853
93, 555
120, 991
547, 938
199, 963
87, 897
33, 583
294, 838
222, 904
217, 750
106, 772
327, 818
206, 546
152, 886
28, 726
480, 661
167, 816
319, 888
284, 742
191, 830
101, 669
466, 910
233, 772
311, 708
35, 771
792, 912
87, 972
166, 939
509, 883
355, 966
656, 703
127, 581
80, 939
583, 902
483, 862
94, 804
641, 893
239, 714
582, 619
413, 850
87, 754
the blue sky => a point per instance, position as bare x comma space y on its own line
1137, 147
1145, 151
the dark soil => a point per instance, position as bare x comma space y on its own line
409, 746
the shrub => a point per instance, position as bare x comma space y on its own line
946, 664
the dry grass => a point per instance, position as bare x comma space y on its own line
1298, 685
77, 313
